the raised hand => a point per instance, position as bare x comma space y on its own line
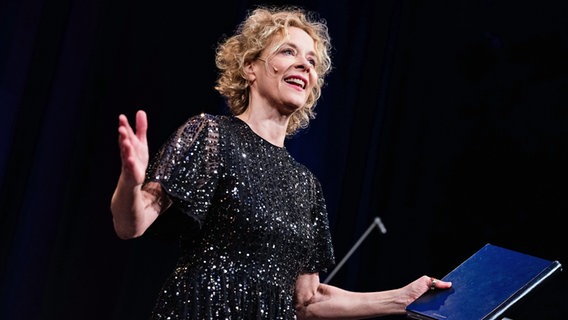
133, 148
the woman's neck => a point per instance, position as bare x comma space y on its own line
269, 127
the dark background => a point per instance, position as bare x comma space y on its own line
446, 119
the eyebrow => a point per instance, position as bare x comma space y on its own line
310, 53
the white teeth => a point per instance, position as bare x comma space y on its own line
297, 81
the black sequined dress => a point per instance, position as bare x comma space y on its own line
260, 216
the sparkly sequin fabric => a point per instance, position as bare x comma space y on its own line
260, 216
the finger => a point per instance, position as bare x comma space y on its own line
124, 127
433, 282
439, 284
141, 125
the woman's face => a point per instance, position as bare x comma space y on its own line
285, 79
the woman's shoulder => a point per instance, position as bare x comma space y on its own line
197, 123
210, 127
203, 119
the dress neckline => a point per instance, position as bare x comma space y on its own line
249, 129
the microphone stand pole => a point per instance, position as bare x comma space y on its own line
376, 223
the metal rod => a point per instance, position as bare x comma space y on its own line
379, 224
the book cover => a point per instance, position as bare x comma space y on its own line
484, 286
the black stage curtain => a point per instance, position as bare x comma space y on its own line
446, 119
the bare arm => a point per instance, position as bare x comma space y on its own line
315, 300
133, 209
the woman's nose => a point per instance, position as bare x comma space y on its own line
304, 63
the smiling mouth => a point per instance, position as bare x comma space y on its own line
296, 82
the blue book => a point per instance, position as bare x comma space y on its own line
484, 286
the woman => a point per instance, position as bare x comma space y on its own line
257, 233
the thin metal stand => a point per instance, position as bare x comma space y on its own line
376, 223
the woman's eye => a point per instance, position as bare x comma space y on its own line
288, 51
312, 62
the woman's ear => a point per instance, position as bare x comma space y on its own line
249, 71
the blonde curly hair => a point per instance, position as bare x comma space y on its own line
252, 36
